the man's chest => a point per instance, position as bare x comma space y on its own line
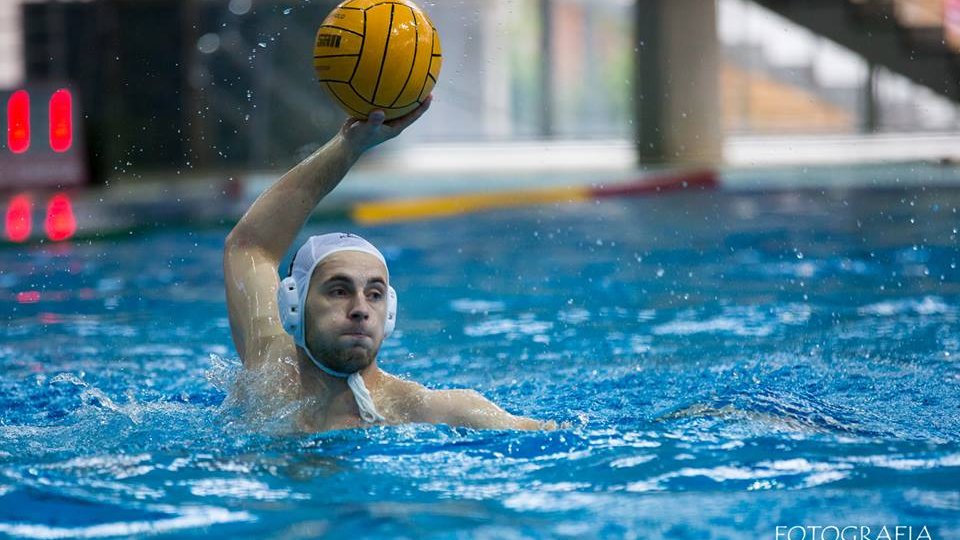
343, 413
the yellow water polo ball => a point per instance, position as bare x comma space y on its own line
377, 54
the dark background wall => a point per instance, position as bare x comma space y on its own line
154, 101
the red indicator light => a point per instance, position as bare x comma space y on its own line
61, 120
50, 318
28, 297
19, 218
18, 122
60, 222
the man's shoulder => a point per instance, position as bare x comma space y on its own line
409, 399
398, 387
423, 404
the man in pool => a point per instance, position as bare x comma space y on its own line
321, 328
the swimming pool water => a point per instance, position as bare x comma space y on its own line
730, 362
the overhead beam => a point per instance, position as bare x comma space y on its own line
877, 39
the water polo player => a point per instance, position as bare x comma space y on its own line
320, 329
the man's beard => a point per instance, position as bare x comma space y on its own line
344, 360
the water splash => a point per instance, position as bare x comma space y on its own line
94, 397
261, 400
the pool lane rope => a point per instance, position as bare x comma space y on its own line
376, 212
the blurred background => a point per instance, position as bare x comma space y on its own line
165, 90
773, 343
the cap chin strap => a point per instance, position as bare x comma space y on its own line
368, 411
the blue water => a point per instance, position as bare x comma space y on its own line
730, 363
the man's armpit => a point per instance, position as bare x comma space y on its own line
276, 350
266, 326
251, 286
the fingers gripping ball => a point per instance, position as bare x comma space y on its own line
377, 54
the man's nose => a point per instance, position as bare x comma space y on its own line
359, 310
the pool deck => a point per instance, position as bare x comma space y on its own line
435, 180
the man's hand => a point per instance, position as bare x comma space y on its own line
361, 135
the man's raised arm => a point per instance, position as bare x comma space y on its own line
263, 235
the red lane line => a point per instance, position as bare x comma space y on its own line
705, 179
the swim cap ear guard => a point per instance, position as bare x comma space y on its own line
291, 312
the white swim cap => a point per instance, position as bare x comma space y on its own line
312, 253
292, 295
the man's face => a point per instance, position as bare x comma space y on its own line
345, 309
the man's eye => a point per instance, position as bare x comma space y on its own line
376, 295
338, 292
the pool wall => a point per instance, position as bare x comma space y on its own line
388, 187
